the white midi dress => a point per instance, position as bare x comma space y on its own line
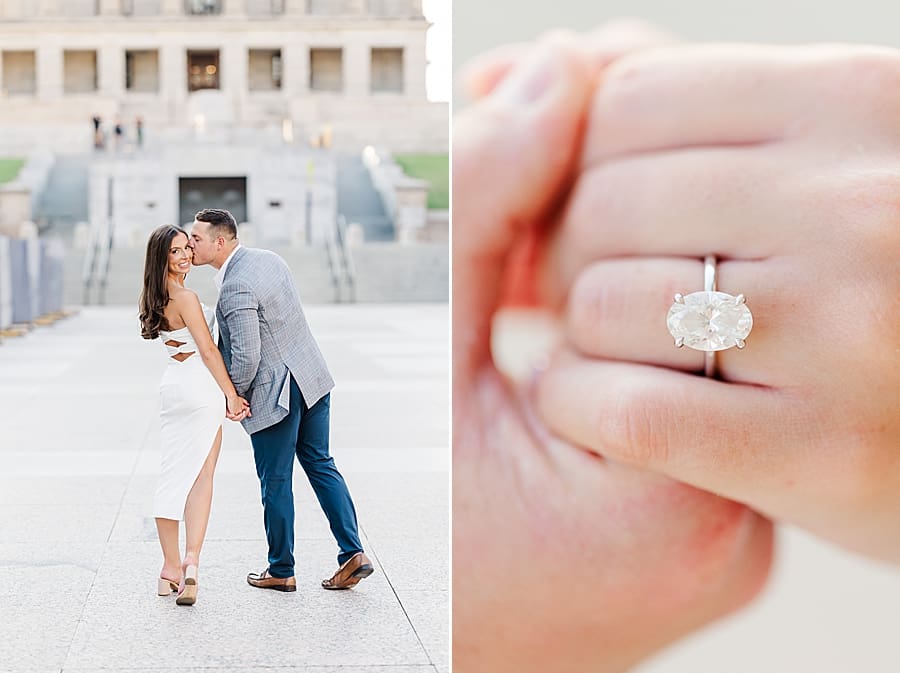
192, 409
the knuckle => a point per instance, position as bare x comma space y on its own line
624, 91
596, 302
636, 428
868, 76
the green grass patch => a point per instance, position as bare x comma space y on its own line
435, 168
9, 169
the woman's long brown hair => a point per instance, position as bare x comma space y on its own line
155, 294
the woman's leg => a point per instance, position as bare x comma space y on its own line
167, 529
199, 501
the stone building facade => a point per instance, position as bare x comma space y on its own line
349, 73
244, 104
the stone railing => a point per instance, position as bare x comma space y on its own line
31, 283
405, 199
18, 197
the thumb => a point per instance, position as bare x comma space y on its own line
514, 153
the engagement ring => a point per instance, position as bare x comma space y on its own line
709, 321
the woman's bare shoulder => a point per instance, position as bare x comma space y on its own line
183, 295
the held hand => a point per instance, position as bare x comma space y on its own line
783, 162
588, 565
238, 409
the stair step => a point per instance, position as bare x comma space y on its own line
358, 200
386, 272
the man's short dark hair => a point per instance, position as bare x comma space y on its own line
221, 221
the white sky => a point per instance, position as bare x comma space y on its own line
437, 49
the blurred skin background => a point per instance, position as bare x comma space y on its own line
824, 609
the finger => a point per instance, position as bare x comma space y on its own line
604, 44
687, 203
709, 94
613, 39
513, 154
618, 309
479, 76
722, 437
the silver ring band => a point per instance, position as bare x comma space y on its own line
709, 285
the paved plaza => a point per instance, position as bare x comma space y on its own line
79, 436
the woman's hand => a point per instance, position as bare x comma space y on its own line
561, 561
238, 408
785, 163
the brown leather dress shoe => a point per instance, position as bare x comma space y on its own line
355, 568
264, 580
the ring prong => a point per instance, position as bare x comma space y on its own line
679, 342
740, 299
740, 343
679, 298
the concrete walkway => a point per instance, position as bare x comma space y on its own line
78, 551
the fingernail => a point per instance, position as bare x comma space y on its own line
533, 77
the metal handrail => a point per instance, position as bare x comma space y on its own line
332, 269
95, 271
90, 261
348, 266
103, 265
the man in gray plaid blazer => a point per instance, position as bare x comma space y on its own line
275, 362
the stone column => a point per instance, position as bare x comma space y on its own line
295, 64
109, 8
234, 8
173, 80
233, 76
357, 67
414, 63
49, 70
295, 7
49, 8
111, 72
172, 7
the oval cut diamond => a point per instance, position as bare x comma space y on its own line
710, 321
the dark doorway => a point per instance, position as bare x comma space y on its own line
203, 70
198, 193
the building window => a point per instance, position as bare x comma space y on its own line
203, 70
79, 71
387, 71
326, 69
264, 70
203, 7
142, 70
19, 73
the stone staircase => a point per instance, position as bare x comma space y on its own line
359, 201
386, 273
64, 200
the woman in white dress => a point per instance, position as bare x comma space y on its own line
194, 394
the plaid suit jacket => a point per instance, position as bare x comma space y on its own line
265, 339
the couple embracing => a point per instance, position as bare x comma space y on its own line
266, 354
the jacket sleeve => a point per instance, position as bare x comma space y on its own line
240, 309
